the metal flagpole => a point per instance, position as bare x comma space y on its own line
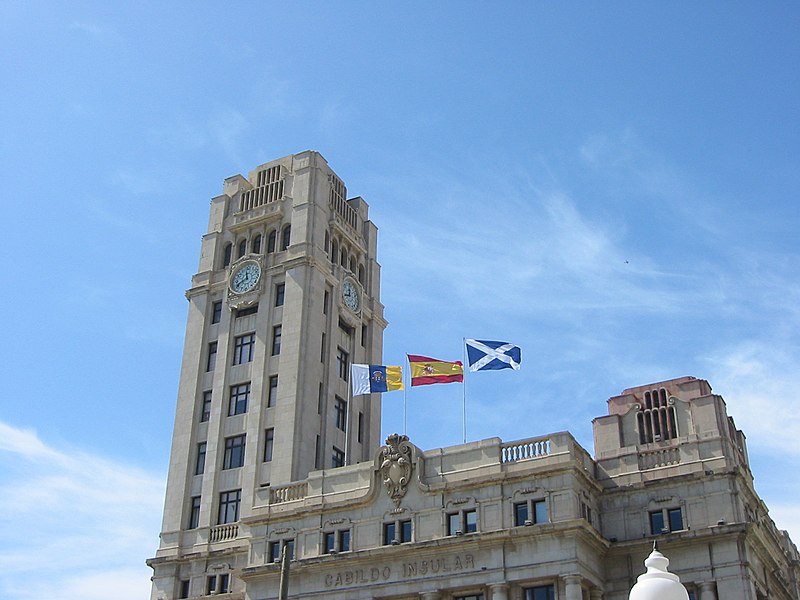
347, 417
405, 399
464, 350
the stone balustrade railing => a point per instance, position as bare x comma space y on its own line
221, 533
287, 493
524, 450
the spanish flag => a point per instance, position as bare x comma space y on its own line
425, 371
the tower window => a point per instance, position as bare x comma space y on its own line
211, 361
184, 593
666, 520
276, 340
256, 245
229, 506
205, 412
243, 348
337, 459
271, 240
342, 363
242, 249
269, 442
272, 397
216, 312
340, 413
227, 252
280, 291
234, 452
194, 513
286, 236
247, 311
240, 394
200, 463
360, 427
656, 421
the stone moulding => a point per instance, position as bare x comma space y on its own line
396, 466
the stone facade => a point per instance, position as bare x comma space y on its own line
534, 519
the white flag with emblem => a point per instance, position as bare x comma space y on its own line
485, 355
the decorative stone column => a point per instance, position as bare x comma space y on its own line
434, 595
596, 594
708, 591
573, 587
499, 591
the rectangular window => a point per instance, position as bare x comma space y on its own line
205, 412
280, 291
317, 454
240, 394
340, 413
405, 531
243, 347
269, 442
276, 340
675, 519
360, 427
520, 513
540, 511
389, 537
364, 336
224, 581
272, 397
344, 540
342, 363
320, 396
184, 593
200, 463
216, 312
322, 349
276, 547
234, 452
470, 521
211, 585
657, 523
330, 542
666, 520
229, 506
325, 300
194, 513
542, 592
211, 361
454, 524
337, 459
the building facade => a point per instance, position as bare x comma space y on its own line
271, 454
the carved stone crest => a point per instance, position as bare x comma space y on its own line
396, 466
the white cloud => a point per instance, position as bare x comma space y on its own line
84, 521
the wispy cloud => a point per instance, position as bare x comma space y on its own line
93, 519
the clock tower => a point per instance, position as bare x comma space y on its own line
286, 298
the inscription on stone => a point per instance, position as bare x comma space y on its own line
408, 570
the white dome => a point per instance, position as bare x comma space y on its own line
658, 583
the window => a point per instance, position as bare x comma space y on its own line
194, 513
666, 520
325, 301
336, 541
272, 397
342, 359
364, 331
523, 511
256, 247
337, 459
242, 249
541, 592
360, 435
470, 597
234, 452
226, 254
240, 394
656, 421
216, 312
243, 348
184, 593
286, 237
280, 292
271, 238
217, 584
269, 442
278, 545
317, 454
211, 362
276, 340
322, 349
361, 274
205, 411
397, 532
340, 413
465, 521
229, 507
200, 463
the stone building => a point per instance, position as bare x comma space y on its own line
271, 453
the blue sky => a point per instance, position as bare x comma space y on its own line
613, 187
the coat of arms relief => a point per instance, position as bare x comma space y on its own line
396, 466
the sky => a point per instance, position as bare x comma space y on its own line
611, 186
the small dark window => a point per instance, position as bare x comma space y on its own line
269, 442
242, 249
340, 413
360, 427
389, 530
227, 252
344, 540
250, 310
276, 340
342, 363
216, 312
211, 361
271, 239
520, 513
286, 237
542, 592
405, 531
200, 463
280, 291
184, 593
234, 452
194, 513
337, 459
330, 542
205, 412
256, 246
272, 397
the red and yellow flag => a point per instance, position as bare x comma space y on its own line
425, 371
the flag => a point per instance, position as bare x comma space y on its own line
368, 379
484, 355
425, 371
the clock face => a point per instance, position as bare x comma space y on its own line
245, 278
350, 296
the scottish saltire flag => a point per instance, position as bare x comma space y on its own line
368, 379
483, 355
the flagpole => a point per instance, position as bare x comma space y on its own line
347, 417
405, 399
464, 390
